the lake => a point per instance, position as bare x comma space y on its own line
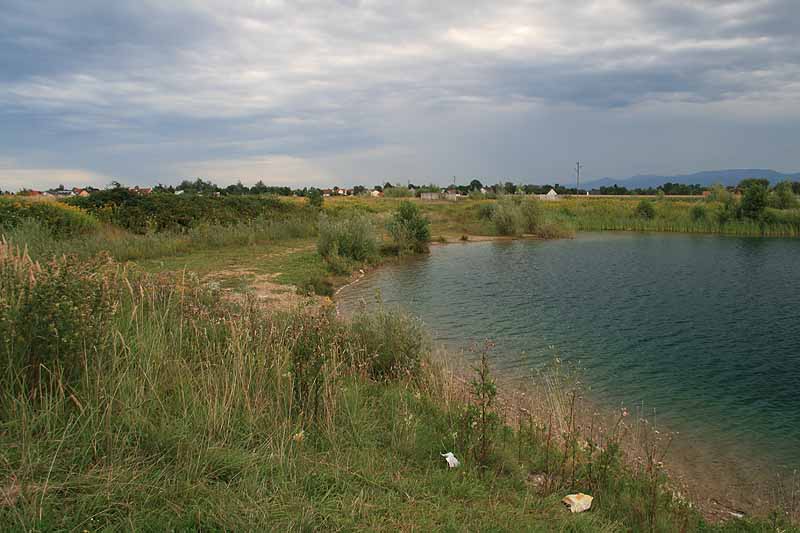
703, 329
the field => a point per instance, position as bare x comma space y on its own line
160, 381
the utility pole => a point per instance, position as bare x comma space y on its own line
578, 168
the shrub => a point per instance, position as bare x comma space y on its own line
728, 211
389, 344
398, 192
507, 218
515, 216
315, 198
698, 213
53, 315
645, 209
169, 212
346, 239
409, 229
486, 211
754, 201
60, 219
317, 285
530, 215
718, 193
783, 197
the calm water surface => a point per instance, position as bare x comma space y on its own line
704, 329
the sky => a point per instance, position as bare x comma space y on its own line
362, 92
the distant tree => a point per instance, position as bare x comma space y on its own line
750, 182
796, 187
509, 188
387, 185
237, 189
754, 200
359, 189
475, 185
379, 188
315, 198
783, 197
259, 188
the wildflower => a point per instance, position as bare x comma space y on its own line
299, 436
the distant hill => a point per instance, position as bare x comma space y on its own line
705, 178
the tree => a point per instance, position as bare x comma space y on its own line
315, 198
475, 185
783, 197
754, 200
359, 189
750, 182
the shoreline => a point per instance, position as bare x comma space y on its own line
718, 491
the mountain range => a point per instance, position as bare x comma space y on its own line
705, 178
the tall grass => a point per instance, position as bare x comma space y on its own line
122, 245
668, 216
347, 240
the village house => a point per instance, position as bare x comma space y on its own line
430, 196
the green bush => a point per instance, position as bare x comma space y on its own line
54, 316
346, 239
315, 198
698, 213
409, 229
60, 219
754, 201
319, 285
390, 344
486, 211
783, 196
398, 192
646, 210
170, 212
515, 216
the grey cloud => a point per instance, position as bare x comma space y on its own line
138, 88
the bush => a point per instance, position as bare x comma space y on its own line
398, 192
645, 209
754, 201
409, 229
783, 197
315, 198
718, 193
486, 211
54, 316
390, 344
346, 239
317, 285
169, 212
698, 213
60, 219
515, 216
507, 218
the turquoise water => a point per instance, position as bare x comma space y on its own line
703, 329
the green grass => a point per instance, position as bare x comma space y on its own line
186, 412
671, 215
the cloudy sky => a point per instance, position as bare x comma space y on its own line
349, 92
